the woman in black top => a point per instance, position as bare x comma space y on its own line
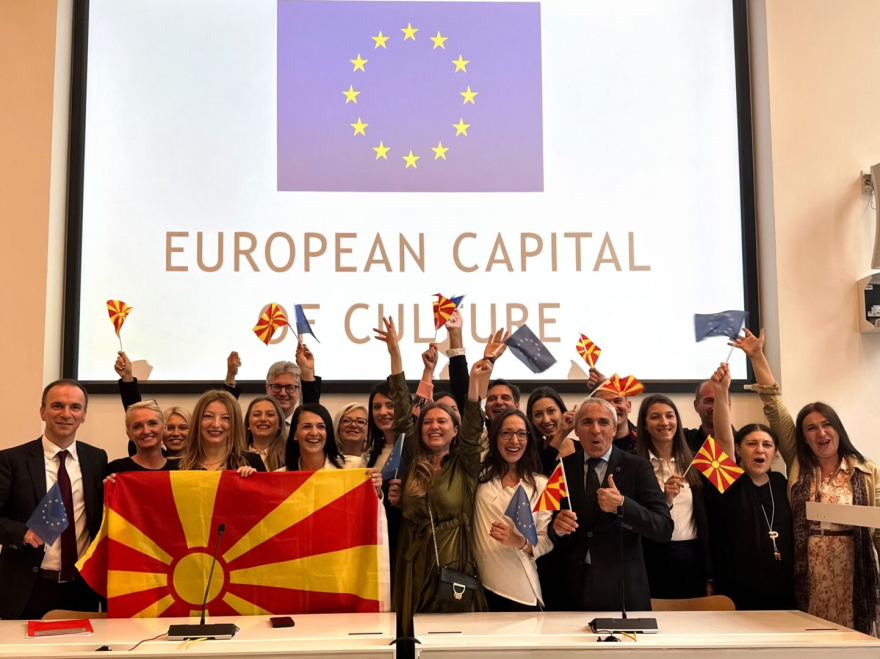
145, 426
751, 534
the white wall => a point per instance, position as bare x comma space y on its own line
816, 106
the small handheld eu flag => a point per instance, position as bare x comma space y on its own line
49, 520
519, 510
394, 467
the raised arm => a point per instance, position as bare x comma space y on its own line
311, 383
425, 392
233, 363
778, 416
723, 430
472, 422
128, 385
399, 394
458, 367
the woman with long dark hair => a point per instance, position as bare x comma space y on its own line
676, 569
836, 573
550, 417
750, 527
505, 558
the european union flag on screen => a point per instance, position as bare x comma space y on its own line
302, 323
519, 510
394, 467
49, 520
724, 323
529, 349
409, 96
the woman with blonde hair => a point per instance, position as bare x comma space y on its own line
266, 432
351, 425
177, 425
145, 426
217, 439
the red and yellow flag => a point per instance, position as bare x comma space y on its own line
118, 311
588, 351
715, 465
443, 308
556, 490
271, 318
299, 542
628, 386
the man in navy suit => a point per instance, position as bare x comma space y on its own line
610, 492
35, 577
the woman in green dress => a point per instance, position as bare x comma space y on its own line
442, 459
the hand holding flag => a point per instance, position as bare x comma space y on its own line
49, 520
443, 308
519, 511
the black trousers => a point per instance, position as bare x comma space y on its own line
50, 595
676, 570
499, 604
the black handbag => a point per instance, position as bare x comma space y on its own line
456, 587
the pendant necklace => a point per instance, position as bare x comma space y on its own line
773, 534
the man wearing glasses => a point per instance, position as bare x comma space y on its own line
285, 379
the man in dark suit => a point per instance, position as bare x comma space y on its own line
36, 577
610, 492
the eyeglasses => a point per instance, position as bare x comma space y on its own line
360, 423
289, 388
509, 434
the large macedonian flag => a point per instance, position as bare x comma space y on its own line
300, 542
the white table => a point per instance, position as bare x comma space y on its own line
770, 634
351, 635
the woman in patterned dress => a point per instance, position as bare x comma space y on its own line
836, 566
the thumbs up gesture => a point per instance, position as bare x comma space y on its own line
610, 498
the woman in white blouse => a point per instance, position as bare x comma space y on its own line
506, 559
678, 569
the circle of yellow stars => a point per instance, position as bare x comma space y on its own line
469, 96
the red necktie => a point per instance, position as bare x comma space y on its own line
68, 537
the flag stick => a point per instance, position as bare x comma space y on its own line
565, 478
119, 336
732, 348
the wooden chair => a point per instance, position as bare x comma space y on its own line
711, 603
62, 614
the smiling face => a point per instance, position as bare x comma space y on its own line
595, 429
263, 421
546, 416
499, 398
438, 430
353, 426
661, 424
176, 434
757, 452
285, 389
383, 412
310, 434
145, 429
622, 405
215, 424
821, 436
64, 412
512, 439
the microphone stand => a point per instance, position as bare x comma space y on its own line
623, 623
214, 632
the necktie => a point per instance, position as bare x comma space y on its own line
68, 537
591, 490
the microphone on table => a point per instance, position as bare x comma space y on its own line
220, 631
623, 624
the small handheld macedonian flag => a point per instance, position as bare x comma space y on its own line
118, 311
715, 465
271, 318
551, 497
588, 351
443, 308
628, 386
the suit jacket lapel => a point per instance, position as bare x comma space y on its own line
615, 461
36, 464
574, 474
89, 474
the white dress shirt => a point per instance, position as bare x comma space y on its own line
683, 504
52, 558
507, 571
